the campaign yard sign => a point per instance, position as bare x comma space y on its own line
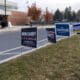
51, 35
62, 29
29, 37
76, 26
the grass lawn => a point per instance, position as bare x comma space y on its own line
78, 31
60, 61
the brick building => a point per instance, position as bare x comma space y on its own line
18, 18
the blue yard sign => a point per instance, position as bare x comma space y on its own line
76, 26
29, 37
62, 29
51, 35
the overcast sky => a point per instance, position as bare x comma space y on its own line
51, 4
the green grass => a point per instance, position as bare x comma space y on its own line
78, 31
60, 61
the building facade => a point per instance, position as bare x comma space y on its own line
19, 18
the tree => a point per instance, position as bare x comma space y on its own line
34, 12
74, 17
78, 15
48, 16
67, 14
58, 16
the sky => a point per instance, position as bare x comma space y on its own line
51, 4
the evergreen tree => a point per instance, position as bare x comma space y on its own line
78, 15
67, 14
74, 18
58, 15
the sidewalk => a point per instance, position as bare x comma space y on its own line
16, 28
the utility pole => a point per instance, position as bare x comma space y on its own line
5, 7
5, 19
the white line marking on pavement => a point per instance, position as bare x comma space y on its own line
10, 50
14, 53
42, 40
26, 52
18, 47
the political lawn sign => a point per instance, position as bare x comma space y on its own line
29, 37
62, 29
76, 26
51, 35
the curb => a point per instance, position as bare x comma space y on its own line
27, 52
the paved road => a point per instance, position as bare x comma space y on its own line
10, 43
9, 40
